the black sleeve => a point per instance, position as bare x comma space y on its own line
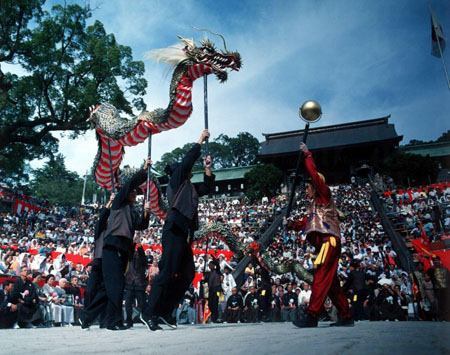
142, 223
241, 302
15, 295
102, 222
207, 185
229, 302
247, 301
181, 172
348, 282
136, 180
141, 257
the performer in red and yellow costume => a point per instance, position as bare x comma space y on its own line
323, 232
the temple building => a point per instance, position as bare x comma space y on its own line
340, 151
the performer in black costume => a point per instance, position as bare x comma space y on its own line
135, 283
176, 267
95, 299
118, 246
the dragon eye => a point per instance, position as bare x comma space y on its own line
208, 49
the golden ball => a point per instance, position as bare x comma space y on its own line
311, 111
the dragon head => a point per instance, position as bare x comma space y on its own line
207, 54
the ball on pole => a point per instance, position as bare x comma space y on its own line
310, 111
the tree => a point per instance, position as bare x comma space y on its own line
243, 149
262, 180
445, 137
57, 184
174, 156
416, 142
226, 152
69, 67
401, 166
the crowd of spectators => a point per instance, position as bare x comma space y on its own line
376, 285
411, 209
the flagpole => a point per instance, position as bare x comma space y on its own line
443, 61
439, 44
84, 188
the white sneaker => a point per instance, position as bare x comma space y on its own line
16, 326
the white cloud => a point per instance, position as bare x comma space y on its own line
360, 60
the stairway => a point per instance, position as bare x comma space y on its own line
443, 176
398, 244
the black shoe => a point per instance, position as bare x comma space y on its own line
306, 322
169, 321
84, 324
117, 327
343, 323
151, 323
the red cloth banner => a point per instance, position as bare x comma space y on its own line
21, 206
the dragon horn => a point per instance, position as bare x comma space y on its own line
214, 33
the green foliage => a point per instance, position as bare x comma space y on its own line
239, 151
416, 142
262, 180
226, 152
69, 67
401, 166
60, 186
174, 156
445, 137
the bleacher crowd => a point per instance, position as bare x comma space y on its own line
44, 258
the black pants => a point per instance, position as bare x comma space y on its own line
114, 264
275, 314
232, 316
8, 318
95, 299
358, 305
213, 302
176, 272
251, 315
443, 299
133, 293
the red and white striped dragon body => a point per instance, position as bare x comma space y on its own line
190, 63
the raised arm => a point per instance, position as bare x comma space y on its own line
192, 155
323, 191
208, 179
135, 181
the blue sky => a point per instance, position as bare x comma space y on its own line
360, 59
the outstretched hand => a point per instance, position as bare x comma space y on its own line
205, 134
111, 199
148, 162
303, 147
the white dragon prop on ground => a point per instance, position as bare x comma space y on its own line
190, 63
